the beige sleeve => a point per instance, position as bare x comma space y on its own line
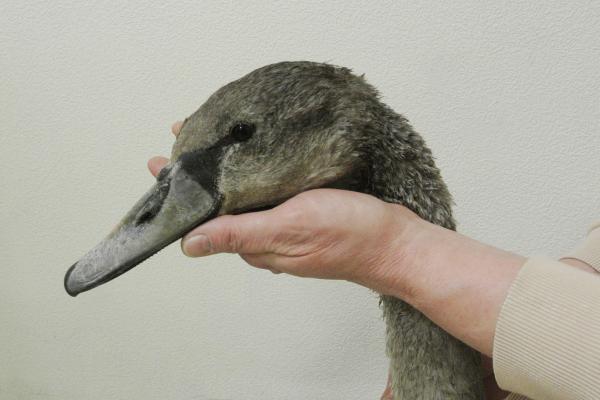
547, 343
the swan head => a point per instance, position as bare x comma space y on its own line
257, 141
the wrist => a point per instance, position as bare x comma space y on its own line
457, 282
392, 272
420, 249
461, 284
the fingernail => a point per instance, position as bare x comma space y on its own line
197, 246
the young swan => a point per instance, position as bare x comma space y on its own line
282, 129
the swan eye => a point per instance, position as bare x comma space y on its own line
241, 132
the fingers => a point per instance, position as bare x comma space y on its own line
387, 393
176, 127
155, 164
250, 233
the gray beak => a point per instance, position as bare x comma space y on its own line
176, 204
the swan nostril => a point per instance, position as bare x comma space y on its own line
145, 217
153, 205
148, 212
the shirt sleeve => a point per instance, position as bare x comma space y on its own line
547, 341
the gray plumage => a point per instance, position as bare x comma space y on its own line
316, 125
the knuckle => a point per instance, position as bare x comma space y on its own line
227, 238
232, 241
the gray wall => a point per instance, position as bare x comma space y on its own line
506, 94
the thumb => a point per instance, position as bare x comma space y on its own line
250, 233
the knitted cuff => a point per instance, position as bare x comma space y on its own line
547, 343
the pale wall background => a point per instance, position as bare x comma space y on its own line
507, 96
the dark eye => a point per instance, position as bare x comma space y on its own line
241, 131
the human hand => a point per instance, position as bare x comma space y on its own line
322, 233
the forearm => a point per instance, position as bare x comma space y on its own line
535, 312
459, 283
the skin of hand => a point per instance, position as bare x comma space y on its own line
320, 234
459, 283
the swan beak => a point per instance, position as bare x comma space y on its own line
176, 204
